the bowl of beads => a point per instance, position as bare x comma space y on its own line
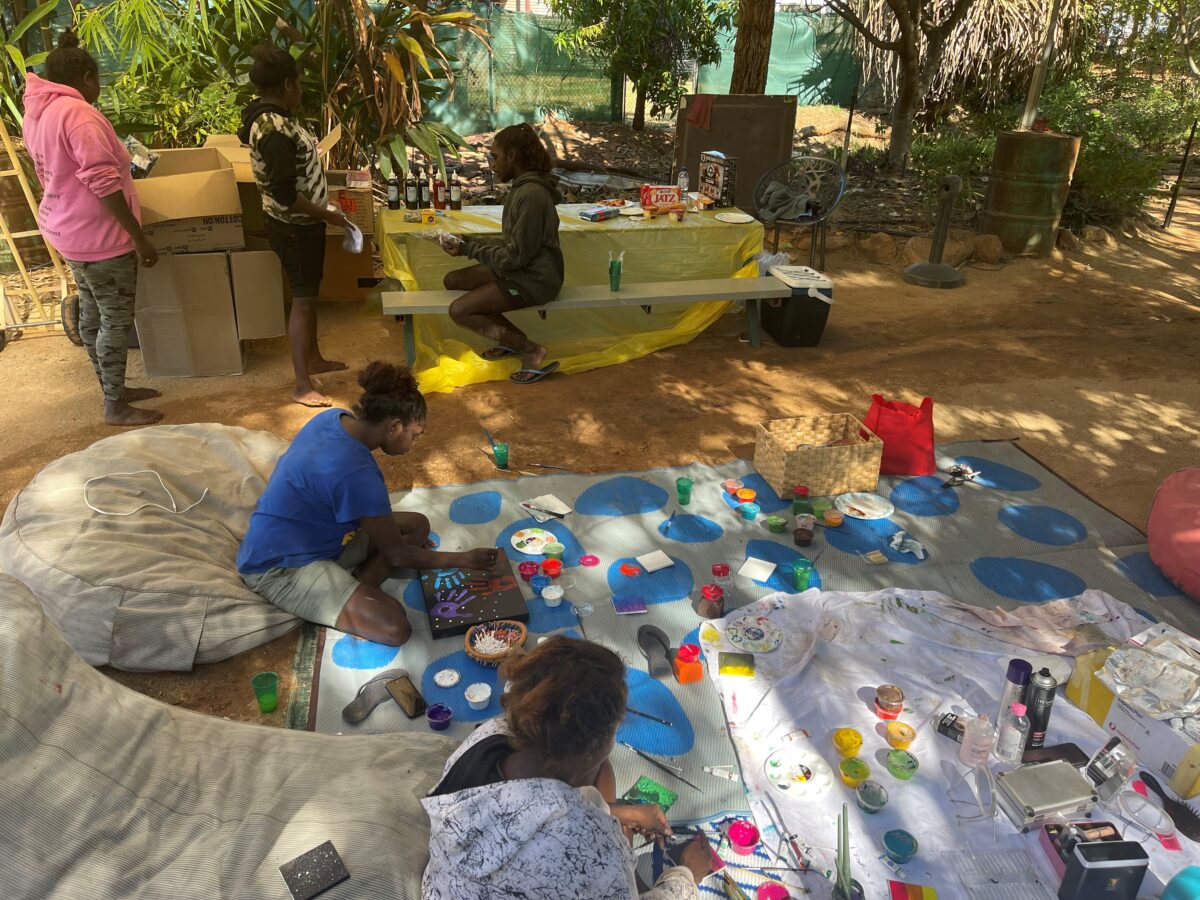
490, 643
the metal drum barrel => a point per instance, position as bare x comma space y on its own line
1030, 176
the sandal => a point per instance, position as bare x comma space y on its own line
534, 374
499, 352
370, 695
656, 647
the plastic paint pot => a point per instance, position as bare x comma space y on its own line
552, 595
552, 567
629, 570
900, 846
902, 764
731, 486
871, 796
438, 716
712, 602
834, 518
749, 511
527, 570
743, 836
776, 524
746, 495
802, 571
772, 890
478, 695
589, 560
847, 742
553, 550
539, 584
900, 735
889, 701
854, 771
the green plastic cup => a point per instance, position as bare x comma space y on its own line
802, 571
553, 550
614, 275
266, 690
500, 455
683, 490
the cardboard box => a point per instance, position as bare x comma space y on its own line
357, 203
190, 203
344, 270
194, 310
1157, 745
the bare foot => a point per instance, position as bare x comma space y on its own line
123, 414
133, 395
311, 397
319, 365
533, 359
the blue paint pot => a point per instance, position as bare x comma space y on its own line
899, 845
539, 583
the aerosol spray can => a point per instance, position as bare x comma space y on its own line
1015, 685
1040, 698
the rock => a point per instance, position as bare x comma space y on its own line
1067, 240
1095, 234
878, 247
837, 240
988, 248
955, 253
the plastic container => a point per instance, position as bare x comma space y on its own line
552, 595
743, 836
478, 695
976, 746
1013, 735
749, 511
711, 604
798, 321
266, 691
776, 524
720, 574
847, 742
772, 890
746, 495
899, 846
802, 570
872, 796
801, 503
889, 701
806, 527
553, 550
902, 765
438, 716
900, 735
853, 771
552, 567
732, 485
683, 491
527, 570
834, 518
687, 665
500, 455
539, 584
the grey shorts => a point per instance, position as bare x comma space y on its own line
317, 592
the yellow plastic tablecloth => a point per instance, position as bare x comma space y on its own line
657, 250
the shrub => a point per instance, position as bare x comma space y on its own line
953, 150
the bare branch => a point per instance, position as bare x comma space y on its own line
950, 22
842, 8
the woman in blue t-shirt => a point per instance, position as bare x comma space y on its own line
324, 538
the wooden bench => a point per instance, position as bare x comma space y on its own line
645, 295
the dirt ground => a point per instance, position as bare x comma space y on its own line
1091, 359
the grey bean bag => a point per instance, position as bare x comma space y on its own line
156, 587
108, 794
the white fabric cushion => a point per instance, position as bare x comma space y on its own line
155, 590
110, 794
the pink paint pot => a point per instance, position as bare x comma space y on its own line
732, 485
527, 570
743, 836
772, 890
589, 560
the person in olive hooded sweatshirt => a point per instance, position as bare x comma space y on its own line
521, 268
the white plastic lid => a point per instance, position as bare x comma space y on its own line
1146, 813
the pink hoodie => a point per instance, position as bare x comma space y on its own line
79, 159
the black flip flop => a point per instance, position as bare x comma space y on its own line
656, 647
370, 695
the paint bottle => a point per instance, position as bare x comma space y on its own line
393, 195
720, 574
977, 739
1039, 699
410, 190
711, 604
455, 191
687, 665
1015, 685
1014, 732
801, 504
423, 198
438, 188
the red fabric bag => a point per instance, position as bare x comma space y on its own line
907, 435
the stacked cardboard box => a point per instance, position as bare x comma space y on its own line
207, 295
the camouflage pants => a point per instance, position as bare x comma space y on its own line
106, 295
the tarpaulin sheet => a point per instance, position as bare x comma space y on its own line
657, 250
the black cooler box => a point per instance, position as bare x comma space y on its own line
799, 320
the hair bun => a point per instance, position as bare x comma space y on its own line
68, 38
384, 378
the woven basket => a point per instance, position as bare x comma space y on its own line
788, 452
494, 659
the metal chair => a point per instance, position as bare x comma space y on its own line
821, 181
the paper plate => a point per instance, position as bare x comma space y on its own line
758, 634
631, 210
864, 506
735, 218
533, 540
798, 772
616, 203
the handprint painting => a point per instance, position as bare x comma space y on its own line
456, 599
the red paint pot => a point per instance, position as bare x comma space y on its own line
527, 570
552, 567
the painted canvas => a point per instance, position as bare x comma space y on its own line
456, 599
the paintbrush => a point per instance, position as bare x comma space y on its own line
491, 441
663, 766
638, 712
670, 522
558, 468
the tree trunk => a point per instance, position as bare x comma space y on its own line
904, 112
752, 51
639, 110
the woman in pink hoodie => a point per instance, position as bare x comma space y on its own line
89, 213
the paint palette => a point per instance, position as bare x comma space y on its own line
533, 540
864, 506
798, 772
756, 634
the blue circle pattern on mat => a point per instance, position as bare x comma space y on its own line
544, 618
475, 509
621, 496
1043, 524
672, 583
571, 553
999, 476
925, 496
689, 529
859, 536
351, 652
414, 597
1026, 580
650, 696
1141, 570
472, 673
767, 499
784, 558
